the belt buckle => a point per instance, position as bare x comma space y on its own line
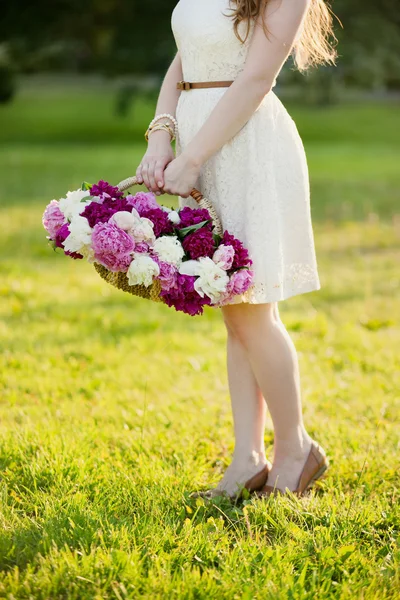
184, 85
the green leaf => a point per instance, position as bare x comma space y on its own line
86, 198
302, 577
328, 553
185, 230
217, 238
345, 551
86, 186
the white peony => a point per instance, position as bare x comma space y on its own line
169, 249
143, 231
142, 270
80, 234
71, 206
211, 279
166, 208
174, 217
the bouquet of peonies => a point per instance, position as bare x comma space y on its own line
137, 244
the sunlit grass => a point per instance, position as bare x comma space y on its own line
114, 409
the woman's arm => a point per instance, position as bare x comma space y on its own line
264, 60
159, 151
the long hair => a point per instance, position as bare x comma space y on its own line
316, 43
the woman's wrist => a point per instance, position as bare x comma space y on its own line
160, 136
193, 157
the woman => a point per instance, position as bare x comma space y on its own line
237, 144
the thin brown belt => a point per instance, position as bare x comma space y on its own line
188, 85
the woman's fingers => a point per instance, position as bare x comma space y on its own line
159, 174
139, 177
152, 168
155, 174
150, 172
145, 174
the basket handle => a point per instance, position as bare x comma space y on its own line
125, 184
131, 181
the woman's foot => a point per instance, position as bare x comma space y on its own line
289, 461
297, 473
250, 472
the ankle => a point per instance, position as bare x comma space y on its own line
250, 458
295, 447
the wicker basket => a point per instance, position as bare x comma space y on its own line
152, 292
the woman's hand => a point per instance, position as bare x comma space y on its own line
158, 155
181, 175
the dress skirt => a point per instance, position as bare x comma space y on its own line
258, 183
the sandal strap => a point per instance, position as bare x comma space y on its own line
315, 465
257, 481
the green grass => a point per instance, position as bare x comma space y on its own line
113, 409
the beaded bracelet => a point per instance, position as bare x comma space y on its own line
165, 115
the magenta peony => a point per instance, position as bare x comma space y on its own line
160, 220
112, 246
241, 258
61, 236
192, 216
97, 212
199, 243
105, 190
53, 219
184, 297
143, 202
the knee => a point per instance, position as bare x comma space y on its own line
244, 321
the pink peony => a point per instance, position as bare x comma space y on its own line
60, 237
199, 243
241, 258
224, 255
142, 247
143, 201
192, 216
168, 274
240, 282
53, 219
112, 246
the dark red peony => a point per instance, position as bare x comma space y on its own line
199, 243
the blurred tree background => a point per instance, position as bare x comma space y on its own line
130, 38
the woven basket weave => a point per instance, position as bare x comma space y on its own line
152, 292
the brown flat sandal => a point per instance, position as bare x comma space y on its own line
314, 468
256, 482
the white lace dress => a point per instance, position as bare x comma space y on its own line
258, 181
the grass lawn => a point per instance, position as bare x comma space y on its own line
113, 409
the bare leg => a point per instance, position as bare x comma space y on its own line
273, 360
249, 412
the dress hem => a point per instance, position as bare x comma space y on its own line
244, 298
